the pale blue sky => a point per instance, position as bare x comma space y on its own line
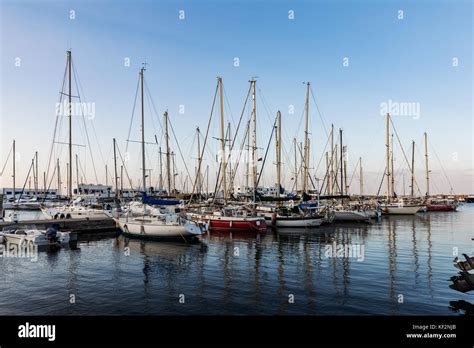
408, 60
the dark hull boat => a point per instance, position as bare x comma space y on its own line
150, 200
441, 207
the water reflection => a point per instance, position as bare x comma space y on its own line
254, 274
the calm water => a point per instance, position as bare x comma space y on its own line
408, 256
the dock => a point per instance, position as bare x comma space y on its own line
93, 225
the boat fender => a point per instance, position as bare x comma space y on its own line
68, 216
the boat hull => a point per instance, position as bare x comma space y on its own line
236, 224
341, 216
441, 207
155, 230
400, 210
297, 222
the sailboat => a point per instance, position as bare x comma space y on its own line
170, 224
295, 216
435, 204
390, 207
230, 218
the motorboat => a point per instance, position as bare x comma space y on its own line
33, 236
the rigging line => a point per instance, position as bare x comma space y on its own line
26, 180
205, 139
218, 182
179, 148
381, 181
266, 153
87, 133
147, 89
228, 106
82, 171
403, 151
442, 168
353, 173
265, 105
49, 185
299, 124
317, 108
80, 91
322, 156
237, 130
149, 105
125, 167
133, 113
6, 162
240, 153
56, 122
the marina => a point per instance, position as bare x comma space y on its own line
305, 217
177, 169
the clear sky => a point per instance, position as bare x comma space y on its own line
424, 58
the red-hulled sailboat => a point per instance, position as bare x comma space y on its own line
234, 219
441, 205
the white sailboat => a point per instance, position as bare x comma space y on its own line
401, 207
154, 224
343, 214
168, 225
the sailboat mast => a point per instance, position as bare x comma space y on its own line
345, 170
173, 166
278, 154
387, 155
426, 167
393, 168
143, 130
69, 174
36, 172
305, 161
361, 177
342, 163
413, 168
14, 170
198, 174
247, 174
77, 173
223, 156
296, 167
327, 173
254, 147
230, 162
168, 162
121, 180
115, 173
331, 174
59, 178
161, 169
